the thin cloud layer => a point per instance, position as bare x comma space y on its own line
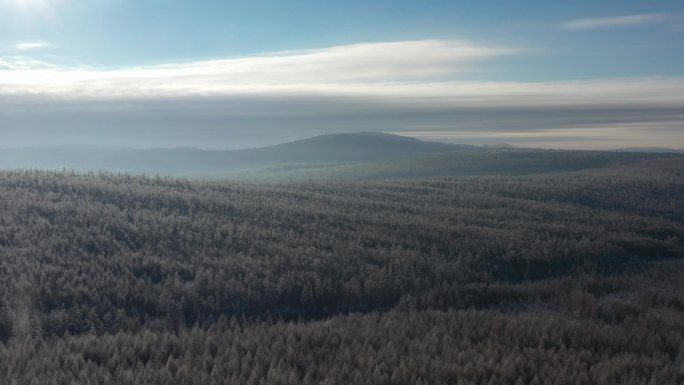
400, 86
30, 46
365, 63
616, 21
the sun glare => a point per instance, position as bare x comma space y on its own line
30, 6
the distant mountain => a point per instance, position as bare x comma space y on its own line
355, 156
324, 149
654, 150
343, 148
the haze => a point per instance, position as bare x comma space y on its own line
231, 75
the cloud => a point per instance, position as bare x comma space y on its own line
588, 136
359, 63
30, 46
407, 86
616, 21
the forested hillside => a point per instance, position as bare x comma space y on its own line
570, 278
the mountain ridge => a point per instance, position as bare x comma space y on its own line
349, 156
329, 148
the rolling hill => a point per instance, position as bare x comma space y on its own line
324, 149
365, 156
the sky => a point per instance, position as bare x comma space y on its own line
235, 74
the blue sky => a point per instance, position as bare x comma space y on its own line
109, 71
113, 33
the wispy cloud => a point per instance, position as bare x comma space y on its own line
27, 46
615, 21
341, 65
422, 72
408, 86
